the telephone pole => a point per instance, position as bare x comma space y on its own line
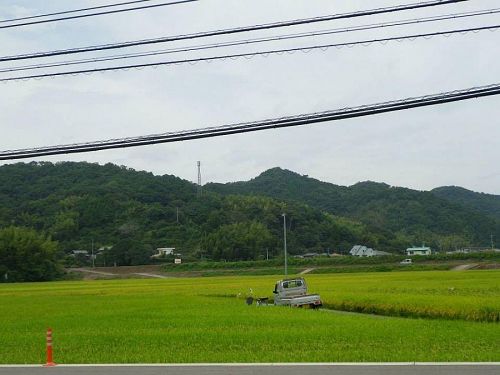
284, 244
492, 244
93, 258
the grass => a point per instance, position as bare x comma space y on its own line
336, 261
318, 270
180, 320
336, 264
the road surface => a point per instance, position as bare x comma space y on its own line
274, 369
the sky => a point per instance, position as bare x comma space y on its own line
452, 144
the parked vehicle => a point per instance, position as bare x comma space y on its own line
293, 292
406, 261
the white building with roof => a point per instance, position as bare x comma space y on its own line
363, 251
163, 252
421, 250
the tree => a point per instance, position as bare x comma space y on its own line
26, 255
240, 241
129, 252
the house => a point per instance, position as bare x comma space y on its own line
363, 251
310, 255
104, 248
163, 252
467, 250
80, 253
422, 250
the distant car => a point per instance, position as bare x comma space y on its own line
406, 261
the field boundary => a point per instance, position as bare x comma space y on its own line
256, 364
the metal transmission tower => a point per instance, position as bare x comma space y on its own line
199, 178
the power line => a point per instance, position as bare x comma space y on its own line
266, 26
253, 41
289, 121
249, 55
73, 11
95, 14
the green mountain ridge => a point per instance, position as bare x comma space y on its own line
421, 214
136, 212
486, 203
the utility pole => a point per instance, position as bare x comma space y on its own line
267, 253
284, 243
177, 214
93, 258
492, 244
199, 178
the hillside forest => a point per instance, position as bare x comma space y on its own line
124, 215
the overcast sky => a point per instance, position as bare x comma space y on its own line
452, 144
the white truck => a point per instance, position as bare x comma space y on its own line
293, 292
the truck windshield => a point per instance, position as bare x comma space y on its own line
292, 284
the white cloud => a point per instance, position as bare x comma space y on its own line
422, 148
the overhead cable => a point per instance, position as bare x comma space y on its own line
249, 55
289, 121
236, 30
95, 14
73, 11
252, 41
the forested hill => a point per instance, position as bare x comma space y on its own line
381, 207
486, 203
136, 212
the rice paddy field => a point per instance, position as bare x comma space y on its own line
420, 316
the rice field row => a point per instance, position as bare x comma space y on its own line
177, 320
471, 295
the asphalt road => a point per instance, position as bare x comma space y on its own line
334, 369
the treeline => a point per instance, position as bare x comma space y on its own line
128, 214
132, 213
443, 218
26, 255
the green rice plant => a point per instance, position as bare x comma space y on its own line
207, 320
471, 295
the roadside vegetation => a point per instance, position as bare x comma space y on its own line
335, 264
26, 255
182, 320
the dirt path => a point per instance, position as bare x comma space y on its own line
464, 267
306, 271
149, 271
151, 275
94, 272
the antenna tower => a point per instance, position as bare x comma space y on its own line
199, 178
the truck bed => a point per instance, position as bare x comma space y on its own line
308, 299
